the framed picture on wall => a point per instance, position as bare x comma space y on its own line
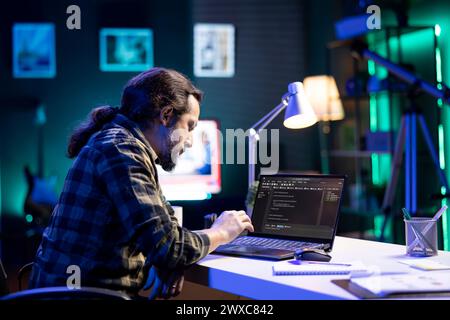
126, 49
214, 50
34, 50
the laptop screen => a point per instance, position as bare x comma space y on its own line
298, 206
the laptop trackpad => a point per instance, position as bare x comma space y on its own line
256, 252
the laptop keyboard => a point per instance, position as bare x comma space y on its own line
274, 243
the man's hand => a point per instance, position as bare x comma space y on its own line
231, 223
227, 227
164, 283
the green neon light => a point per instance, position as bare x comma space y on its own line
441, 146
438, 66
383, 109
437, 30
29, 218
373, 112
376, 178
371, 67
384, 124
373, 127
445, 220
373, 119
378, 224
445, 230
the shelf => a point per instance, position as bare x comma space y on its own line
354, 154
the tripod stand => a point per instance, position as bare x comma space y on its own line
407, 133
407, 141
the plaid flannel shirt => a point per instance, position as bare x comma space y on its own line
112, 220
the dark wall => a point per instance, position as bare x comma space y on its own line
79, 85
319, 30
270, 53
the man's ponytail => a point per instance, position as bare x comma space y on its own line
96, 119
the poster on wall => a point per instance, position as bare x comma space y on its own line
126, 50
214, 50
34, 50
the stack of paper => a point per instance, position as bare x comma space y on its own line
420, 283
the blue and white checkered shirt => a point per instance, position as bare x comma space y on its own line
112, 220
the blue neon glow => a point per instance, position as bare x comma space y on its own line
408, 164
413, 164
126, 50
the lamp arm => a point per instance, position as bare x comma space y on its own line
277, 110
271, 114
251, 160
254, 137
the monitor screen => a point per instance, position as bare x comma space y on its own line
298, 205
197, 173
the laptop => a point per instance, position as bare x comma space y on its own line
291, 212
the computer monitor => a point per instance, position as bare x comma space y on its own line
197, 173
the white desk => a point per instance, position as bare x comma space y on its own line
253, 278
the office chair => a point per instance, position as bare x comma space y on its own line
54, 293
63, 293
3, 280
26, 269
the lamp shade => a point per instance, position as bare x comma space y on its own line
323, 94
299, 113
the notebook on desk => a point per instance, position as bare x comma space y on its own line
415, 286
291, 212
383, 286
295, 267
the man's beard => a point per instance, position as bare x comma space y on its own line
169, 159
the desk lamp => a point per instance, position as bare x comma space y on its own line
323, 94
299, 114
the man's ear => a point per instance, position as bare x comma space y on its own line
166, 115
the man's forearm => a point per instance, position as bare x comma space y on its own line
216, 238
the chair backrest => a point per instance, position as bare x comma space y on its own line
24, 272
3, 280
55, 293
63, 293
